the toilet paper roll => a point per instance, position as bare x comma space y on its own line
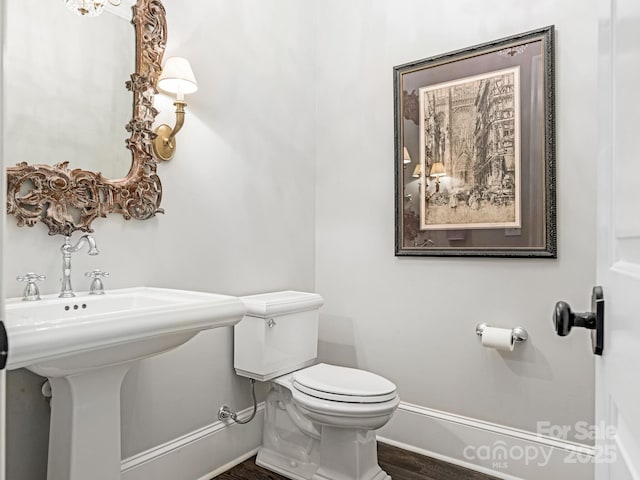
498, 338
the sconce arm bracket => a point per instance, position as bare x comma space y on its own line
164, 145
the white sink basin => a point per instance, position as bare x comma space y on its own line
85, 345
59, 336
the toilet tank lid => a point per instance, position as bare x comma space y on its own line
272, 304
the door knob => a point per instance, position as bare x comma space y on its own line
4, 346
565, 319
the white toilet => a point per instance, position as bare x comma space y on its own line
320, 420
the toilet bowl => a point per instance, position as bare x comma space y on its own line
320, 419
344, 397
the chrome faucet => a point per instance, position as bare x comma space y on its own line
67, 249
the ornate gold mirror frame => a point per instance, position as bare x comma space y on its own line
67, 200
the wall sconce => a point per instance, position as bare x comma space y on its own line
177, 77
406, 158
89, 8
417, 171
437, 171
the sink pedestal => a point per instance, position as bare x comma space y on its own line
85, 345
85, 425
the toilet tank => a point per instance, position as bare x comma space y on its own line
278, 334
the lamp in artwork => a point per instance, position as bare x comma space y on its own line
406, 158
437, 171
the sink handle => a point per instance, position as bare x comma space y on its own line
31, 291
97, 287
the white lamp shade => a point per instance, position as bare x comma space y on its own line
406, 157
437, 170
177, 77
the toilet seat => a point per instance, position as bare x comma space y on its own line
342, 384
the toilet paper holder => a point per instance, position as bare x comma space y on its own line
519, 334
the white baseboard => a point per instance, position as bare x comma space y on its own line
201, 454
504, 452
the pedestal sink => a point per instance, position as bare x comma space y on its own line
85, 345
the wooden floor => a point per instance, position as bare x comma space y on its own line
400, 464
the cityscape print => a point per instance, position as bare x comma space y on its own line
471, 128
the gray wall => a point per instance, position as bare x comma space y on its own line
239, 201
413, 319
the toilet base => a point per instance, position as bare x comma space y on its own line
382, 475
277, 463
344, 454
348, 454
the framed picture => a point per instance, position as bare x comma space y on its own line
475, 151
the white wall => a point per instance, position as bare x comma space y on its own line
267, 171
3, 378
413, 319
239, 201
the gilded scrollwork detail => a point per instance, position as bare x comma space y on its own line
68, 200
